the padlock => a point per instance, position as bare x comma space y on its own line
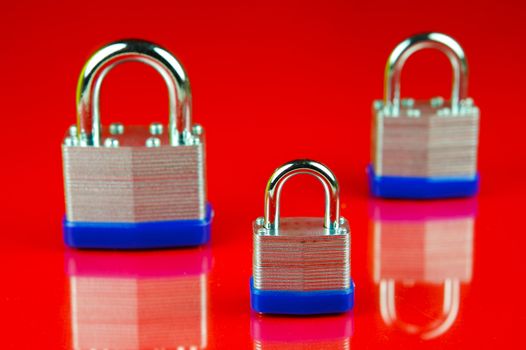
302, 265
429, 245
135, 187
425, 149
139, 300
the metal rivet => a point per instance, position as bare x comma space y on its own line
153, 142
260, 221
83, 139
197, 130
343, 230
73, 131
111, 142
413, 113
342, 220
444, 111
156, 129
378, 104
262, 231
69, 141
437, 101
468, 102
407, 102
116, 129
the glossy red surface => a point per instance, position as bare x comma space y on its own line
271, 82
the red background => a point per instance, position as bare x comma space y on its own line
272, 81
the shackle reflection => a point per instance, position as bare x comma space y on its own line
139, 300
424, 246
282, 332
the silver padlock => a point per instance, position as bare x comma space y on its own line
425, 148
302, 265
129, 187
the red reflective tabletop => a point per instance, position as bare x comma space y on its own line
271, 82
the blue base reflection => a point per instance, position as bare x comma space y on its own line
301, 303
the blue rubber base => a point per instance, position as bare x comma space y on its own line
301, 303
421, 187
144, 235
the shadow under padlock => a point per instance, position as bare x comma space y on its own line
140, 300
279, 332
427, 247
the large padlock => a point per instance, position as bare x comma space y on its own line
139, 300
426, 245
425, 148
302, 265
130, 187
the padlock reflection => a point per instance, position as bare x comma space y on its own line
278, 332
140, 300
422, 254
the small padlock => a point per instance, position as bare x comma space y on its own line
425, 149
302, 265
139, 300
426, 244
135, 187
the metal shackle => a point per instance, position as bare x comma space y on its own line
296, 167
111, 55
450, 308
406, 48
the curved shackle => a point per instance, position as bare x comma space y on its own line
111, 55
406, 48
450, 309
296, 167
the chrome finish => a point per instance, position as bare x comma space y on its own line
293, 168
106, 58
405, 49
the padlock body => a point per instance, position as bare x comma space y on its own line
301, 268
134, 183
125, 195
424, 151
